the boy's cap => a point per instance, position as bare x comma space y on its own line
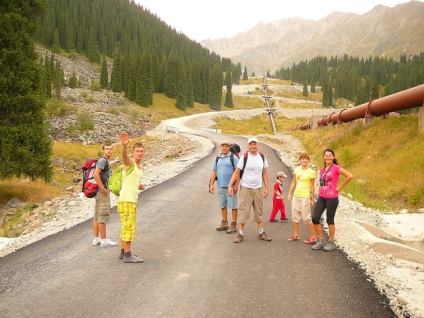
252, 139
225, 143
281, 174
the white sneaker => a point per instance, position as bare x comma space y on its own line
96, 241
107, 243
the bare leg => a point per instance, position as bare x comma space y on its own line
224, 214
234, 215
332, 231
102, 230
311, 230
295, 229
95, 228
318, 231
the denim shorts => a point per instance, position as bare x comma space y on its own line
225, 201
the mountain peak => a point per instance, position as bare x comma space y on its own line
271, 45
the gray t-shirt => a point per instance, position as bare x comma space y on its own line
103, 163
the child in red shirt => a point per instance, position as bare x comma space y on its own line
277, 199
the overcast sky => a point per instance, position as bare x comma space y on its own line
215, 19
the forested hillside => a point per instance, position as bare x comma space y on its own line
148, 55
357, 79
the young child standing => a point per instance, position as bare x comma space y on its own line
303, 185
277, 199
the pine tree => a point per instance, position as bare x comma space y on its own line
24, 143
73, 82
305, 89
181, 102
245, 76
104, 76
131, 91
144, 89
171, 77
197, 82
92, 48
327, 92
375, 92
116, 76
229, 94
56, 45
57, 79
216, 87
190, 97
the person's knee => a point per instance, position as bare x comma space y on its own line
315, 220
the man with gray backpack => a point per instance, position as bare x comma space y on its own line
222, 170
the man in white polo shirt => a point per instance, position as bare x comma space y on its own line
252, 170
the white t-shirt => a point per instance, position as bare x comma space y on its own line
252, 175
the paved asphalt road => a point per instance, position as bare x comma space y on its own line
190, 269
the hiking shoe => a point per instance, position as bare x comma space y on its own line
238, 239
233, 228
223, 226
108, 243
331, 245
96, 241
133, 259
264, 237
319, 245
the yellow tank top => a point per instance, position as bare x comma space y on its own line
129, 190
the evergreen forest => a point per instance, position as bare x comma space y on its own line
148, 55
357, 79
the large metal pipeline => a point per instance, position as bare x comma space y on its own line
410, 98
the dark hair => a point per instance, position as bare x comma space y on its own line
106, 144
330, 150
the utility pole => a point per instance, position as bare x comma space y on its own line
268, 109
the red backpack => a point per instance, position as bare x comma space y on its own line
89, 184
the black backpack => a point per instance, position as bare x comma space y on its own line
235, 149
245, 161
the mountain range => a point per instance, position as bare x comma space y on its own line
383, 32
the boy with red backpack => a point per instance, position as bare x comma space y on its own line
102, 208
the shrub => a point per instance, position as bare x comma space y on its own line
73, 82
95, 86
55, 107
84, 122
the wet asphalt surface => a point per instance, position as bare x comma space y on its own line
190, 269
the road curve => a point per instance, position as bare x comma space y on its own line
190, 269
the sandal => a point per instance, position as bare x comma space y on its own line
293, 238
311, 240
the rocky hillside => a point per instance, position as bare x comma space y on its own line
383, 31
110, 112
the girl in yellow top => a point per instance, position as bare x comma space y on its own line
303, 185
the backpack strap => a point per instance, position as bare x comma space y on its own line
246, 155
231, 159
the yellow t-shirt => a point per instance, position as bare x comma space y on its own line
129, 190
303, 182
